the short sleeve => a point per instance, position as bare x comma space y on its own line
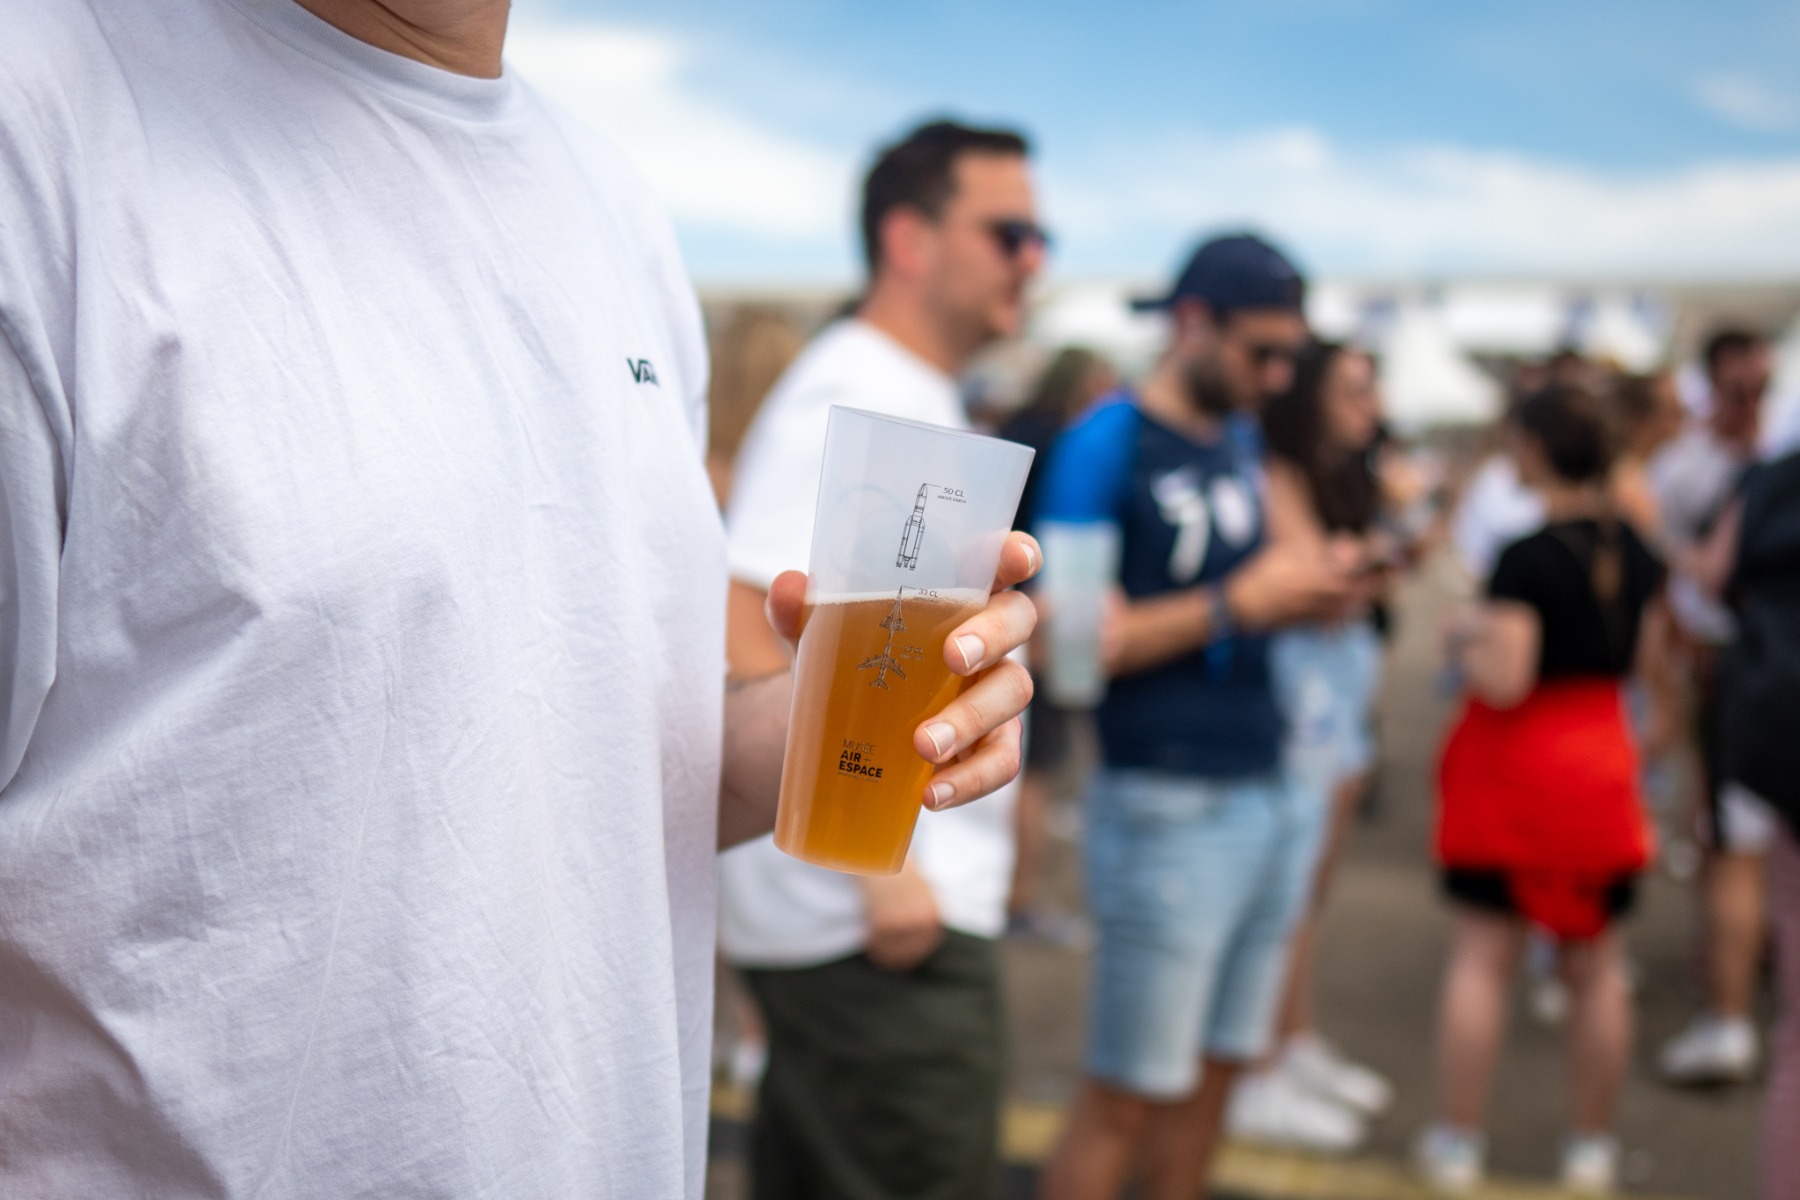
32, 504
1516, 574
1088, 477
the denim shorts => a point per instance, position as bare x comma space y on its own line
1326, 679
1195, 886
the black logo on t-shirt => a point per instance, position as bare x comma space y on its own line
642, 371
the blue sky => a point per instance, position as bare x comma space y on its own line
1394, 138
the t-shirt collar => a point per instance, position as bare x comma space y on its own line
893, 347
461, 96
1227, 427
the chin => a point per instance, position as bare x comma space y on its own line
1007, 321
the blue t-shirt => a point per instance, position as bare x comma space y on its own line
1189, 513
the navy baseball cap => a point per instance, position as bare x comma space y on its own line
1233, 272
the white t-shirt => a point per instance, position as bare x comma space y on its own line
1496, 510
777, 911
1782, 436
1690, 478
361, 628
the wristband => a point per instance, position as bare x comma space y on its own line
1220, 626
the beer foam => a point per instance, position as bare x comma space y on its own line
952, 597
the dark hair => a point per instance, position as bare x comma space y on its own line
1730, 340
1635, 399
1343, 486
1570, 423
1060, 390
919, 172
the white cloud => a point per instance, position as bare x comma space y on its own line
1442, 208
1746, 102
716, 169
753, 191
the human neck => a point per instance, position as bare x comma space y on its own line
1165, 397
1572, 501
1738, 435
463, 36
907, 319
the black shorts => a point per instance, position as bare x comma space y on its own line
1491, 891
1711, 750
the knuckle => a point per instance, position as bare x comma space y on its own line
1022, 615
1008, 690
1027, 686
1012, 693
1010, 761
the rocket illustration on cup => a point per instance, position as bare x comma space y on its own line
913, 534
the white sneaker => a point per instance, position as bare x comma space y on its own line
1319, 1067
1549, 1002
1451, 1161
1590, 1164
1712, 1049
1271, 1108
1682, 859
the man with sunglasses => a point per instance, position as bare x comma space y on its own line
1198, 854
881, 995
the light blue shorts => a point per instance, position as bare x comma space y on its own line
1195, 886
1326, 679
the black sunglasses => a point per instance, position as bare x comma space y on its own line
1264, 353
1014, 234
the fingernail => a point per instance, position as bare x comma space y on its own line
941, 794
943, 736
972, 650
1031, 558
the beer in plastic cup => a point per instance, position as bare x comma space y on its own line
1080, 562
910, 522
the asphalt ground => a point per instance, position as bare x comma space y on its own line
1381, 960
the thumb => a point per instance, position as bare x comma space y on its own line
786, 605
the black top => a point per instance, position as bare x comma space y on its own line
1759, 681
1552, 571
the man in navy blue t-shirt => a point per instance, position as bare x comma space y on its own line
1197, 858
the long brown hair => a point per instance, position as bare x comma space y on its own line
1062, 390
1343, 486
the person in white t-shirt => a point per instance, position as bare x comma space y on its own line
881, 994
1694, 479
1496, 509
364, 737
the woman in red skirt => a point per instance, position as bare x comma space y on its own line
1540, 822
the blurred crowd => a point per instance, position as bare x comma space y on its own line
1622, 660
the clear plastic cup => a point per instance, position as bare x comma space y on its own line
910, 522
1081, 560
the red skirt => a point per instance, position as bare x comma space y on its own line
1546, 793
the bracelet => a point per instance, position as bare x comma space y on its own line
1219, 623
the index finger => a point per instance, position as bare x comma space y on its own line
1020, 559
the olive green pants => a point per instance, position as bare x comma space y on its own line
881, 1085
